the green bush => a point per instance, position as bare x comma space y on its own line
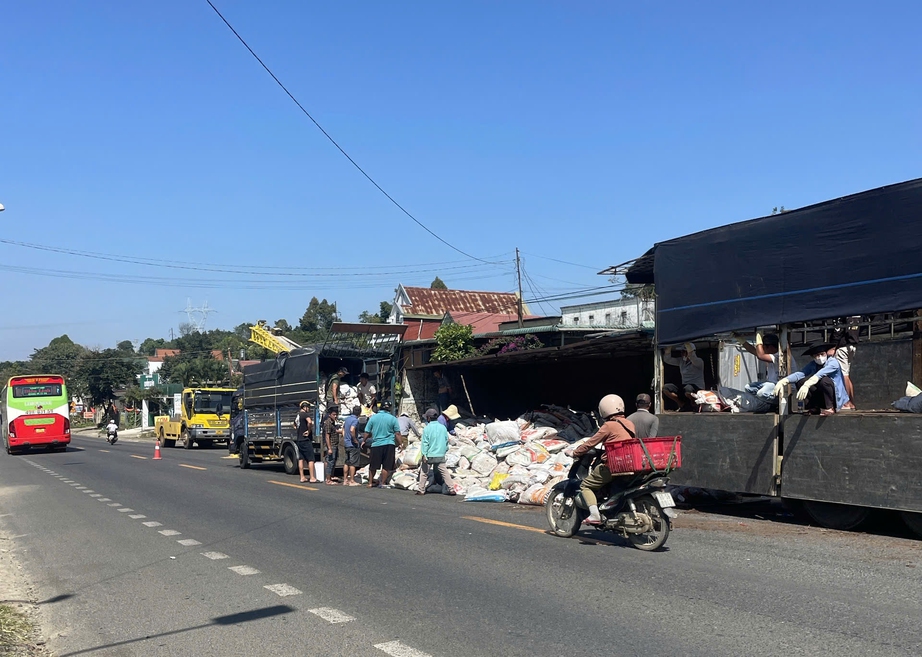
453, 342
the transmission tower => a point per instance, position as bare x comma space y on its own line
198, 316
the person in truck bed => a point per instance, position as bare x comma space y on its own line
692, 369
823, 389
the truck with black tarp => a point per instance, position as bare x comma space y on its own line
804, 273
272, 390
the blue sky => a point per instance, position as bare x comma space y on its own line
579, 131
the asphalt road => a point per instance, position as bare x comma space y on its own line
131, 556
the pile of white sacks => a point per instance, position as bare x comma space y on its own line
496, 462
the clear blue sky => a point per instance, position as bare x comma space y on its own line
582, 131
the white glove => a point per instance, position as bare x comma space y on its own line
779, 387
805, 388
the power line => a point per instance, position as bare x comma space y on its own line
563, 262
340, 148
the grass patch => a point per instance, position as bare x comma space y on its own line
15, 630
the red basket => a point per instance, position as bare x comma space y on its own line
630, 456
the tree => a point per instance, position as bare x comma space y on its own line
150, 346
438, 284
381, 317
778, 210
638, 291
59, 357
453, 341
283, 325
185, 328
101, 373
126, 346
318, 317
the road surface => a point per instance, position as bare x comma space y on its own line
192, 556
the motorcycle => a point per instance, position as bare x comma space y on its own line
111, 436
635, 506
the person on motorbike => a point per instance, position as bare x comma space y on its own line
111, 428
615, 427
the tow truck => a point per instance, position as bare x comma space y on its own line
203, 418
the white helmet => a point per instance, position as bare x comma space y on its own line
610, 405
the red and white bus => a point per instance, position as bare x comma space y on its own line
34, 412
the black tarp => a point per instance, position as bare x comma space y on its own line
859, 254
288, 379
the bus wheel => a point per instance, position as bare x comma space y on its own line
836, 516
913, 521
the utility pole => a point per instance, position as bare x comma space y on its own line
518, 273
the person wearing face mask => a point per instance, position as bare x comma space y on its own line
823, 389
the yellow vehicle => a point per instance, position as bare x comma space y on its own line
203, 418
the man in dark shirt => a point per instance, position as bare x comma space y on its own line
331, 442
304, 439
646, 425
351, 444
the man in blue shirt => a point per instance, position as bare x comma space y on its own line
823, 389
351, 443
434, 446
384, 432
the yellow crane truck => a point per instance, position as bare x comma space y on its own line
203, 417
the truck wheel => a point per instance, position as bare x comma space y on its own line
913, 521
187, 439
291, 460
166, 442
836, 516
244, 456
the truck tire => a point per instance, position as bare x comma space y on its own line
244, 457
836, 516
913, 521
291, 460
187, 439
167, 442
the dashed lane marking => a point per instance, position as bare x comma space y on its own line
283, 590
284, 483
397, 649
332, 615
124, 509
244, 570
503, 524
152, 523
189, 542
214, 556
191, 467
135, 456
96, 495
76, 483
104, 499
104, 450
81, 487
137, 516
237, 458
87, 491
169, 532
114, 504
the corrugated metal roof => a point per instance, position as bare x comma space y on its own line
426, 301
482, 322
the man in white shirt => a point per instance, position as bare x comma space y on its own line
766, 351
692, 369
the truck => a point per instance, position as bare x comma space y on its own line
203, 417
850, 262
272, 390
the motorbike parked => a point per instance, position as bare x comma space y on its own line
635, 506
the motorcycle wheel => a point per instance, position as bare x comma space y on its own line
655, 539
564, 527
114, 440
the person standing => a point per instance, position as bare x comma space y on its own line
692, 370
846, 346
304, 440
331, 443
407, 425
646, 424
444, 387
366, 392
384, 432
351, 445
433, 448
332, 392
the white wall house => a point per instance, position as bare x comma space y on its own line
616, 314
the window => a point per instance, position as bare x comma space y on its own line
623, 317
591, 320
607, 319
576, 320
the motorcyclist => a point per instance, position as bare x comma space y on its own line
615, 427
111, 428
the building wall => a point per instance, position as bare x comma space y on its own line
627, 313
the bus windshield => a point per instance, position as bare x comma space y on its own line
208, 402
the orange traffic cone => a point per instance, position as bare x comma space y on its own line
157, 456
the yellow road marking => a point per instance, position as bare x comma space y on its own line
135, 456
282, 483
504, 524
194, 467
231, 456
104, 450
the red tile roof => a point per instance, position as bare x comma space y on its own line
425, 301
484, 322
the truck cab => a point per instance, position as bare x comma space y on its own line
203, 417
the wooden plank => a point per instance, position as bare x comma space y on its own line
734, 452
872, 460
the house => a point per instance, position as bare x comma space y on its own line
631, 313
424, 304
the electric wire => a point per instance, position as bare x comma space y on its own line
563, 262
338, 147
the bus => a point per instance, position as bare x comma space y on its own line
34, 412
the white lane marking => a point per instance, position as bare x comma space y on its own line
104, 499
81, 487
137, 516
169, 532
151, 523
96, 495
397, 649
67, 481
189, 542
244, 570
332, 615
113, 504
215, 555
283, 590
124, 509
76, 483
88, 491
